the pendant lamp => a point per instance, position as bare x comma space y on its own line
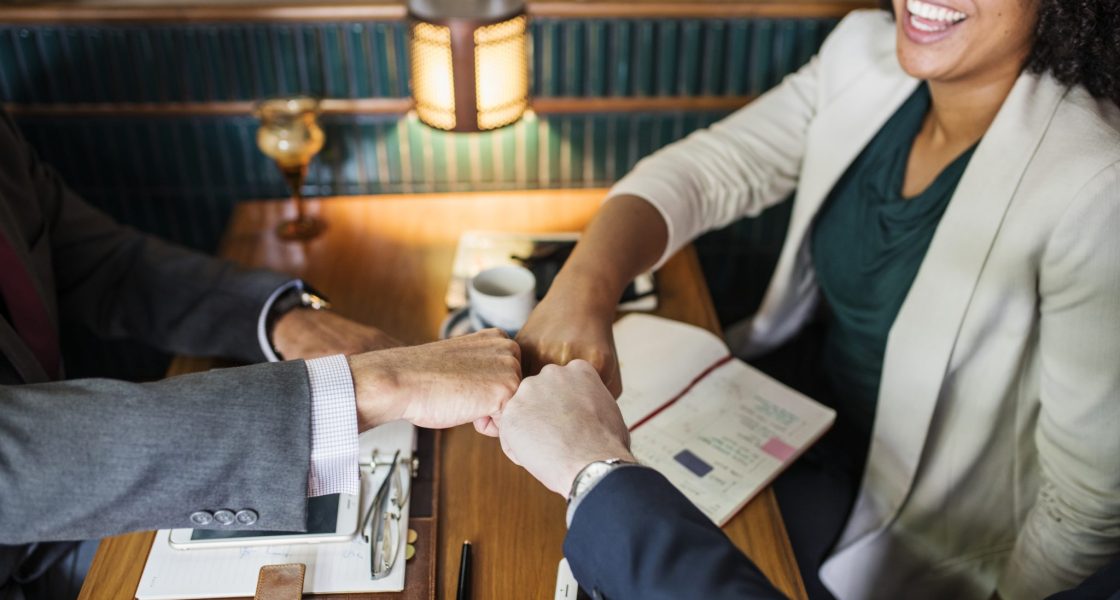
469, 62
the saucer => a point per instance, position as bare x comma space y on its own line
461, 322
457, 323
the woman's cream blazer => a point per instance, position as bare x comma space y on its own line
995, 457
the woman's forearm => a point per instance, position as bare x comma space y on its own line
627, 237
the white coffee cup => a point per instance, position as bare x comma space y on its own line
502, 297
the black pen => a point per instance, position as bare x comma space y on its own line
464, 573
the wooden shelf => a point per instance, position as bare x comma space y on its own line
179, 11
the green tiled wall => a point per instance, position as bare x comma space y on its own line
190, 170
219, 62
179, 176
223, 62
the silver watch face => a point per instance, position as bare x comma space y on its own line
590, 474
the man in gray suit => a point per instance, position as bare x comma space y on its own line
235, 448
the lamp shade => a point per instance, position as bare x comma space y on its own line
470, 63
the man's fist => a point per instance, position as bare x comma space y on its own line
437, 385
559, 422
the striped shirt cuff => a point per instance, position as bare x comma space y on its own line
334, 428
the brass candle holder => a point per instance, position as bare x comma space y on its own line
290, 135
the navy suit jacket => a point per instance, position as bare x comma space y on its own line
635, 536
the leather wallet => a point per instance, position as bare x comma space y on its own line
281, 582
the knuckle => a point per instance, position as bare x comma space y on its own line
580, 364
600, 359
505, 385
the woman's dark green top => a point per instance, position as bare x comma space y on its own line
867, 244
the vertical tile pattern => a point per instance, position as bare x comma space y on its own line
179, 177
669, 57
221, 62
201, 62
152, 172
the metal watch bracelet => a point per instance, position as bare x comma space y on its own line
590, 476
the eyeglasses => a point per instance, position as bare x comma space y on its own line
382, 527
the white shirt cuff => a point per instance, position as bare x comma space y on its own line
334, 428
262, 321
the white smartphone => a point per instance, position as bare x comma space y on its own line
330, 518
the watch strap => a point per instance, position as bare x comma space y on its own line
291, 299
297, 295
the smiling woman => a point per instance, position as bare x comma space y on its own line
964, 40
1077, 41
948, 283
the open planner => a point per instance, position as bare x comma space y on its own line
334, 567
717, 428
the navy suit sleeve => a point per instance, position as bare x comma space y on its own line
634, 536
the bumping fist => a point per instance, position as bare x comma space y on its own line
559, 422
560, 330
437, 385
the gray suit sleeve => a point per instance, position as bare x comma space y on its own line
125, 284
130, 457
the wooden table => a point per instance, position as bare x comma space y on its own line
385, 261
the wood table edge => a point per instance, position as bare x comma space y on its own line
112, 574
794, 586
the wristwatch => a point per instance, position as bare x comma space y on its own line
300, 295
589, 476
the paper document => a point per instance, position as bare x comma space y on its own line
717, 428
335, 567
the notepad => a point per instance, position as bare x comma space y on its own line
336, 567
717, 428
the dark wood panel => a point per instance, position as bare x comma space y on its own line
703, 9
125, 11
579, 105
385, 106
365, 106
109, 11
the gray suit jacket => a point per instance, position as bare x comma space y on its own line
88, 458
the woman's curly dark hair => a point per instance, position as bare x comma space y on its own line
1078, 41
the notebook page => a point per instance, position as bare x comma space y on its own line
729, 437
659, 358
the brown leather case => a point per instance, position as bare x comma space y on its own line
281, 582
